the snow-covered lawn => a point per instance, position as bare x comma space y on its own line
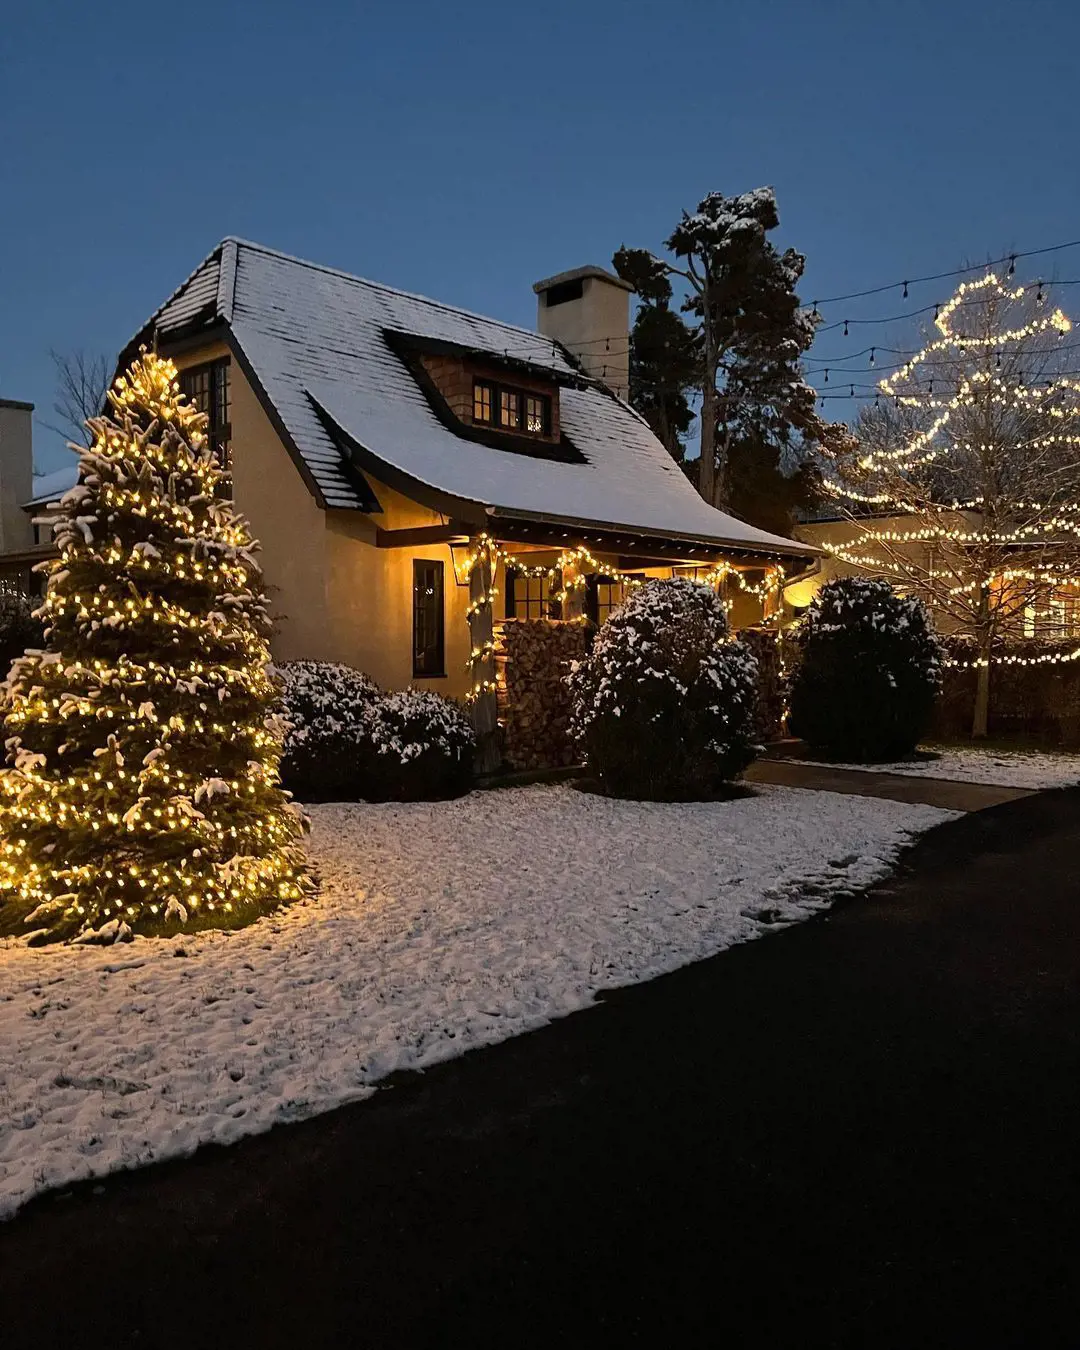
441, 927
969, 764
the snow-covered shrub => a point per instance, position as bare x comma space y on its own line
869, 670
663, 706
19, 628
421, 748
327, 707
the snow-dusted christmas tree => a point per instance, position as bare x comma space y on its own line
964, 487
141, 793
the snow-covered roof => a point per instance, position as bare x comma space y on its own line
319, 344
50, 487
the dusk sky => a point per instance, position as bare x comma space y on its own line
463, 151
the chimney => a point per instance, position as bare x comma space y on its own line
588, 311
16, 474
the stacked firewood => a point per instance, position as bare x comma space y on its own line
532, 661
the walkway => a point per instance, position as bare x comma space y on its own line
897, 787
861, 1132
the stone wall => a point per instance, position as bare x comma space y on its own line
1040, 701
532, 659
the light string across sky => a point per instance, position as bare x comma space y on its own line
822, 370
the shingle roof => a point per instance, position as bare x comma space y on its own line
50, 487
315, 339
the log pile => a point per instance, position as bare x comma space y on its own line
532, 659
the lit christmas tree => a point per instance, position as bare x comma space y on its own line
142, 790
964, 484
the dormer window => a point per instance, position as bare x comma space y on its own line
511, 409
483, 399
537, 414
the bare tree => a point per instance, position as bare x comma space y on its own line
82, 380
964, 487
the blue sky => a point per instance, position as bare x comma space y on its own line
465, 150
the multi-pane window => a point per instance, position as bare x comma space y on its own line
209, 389
609, 596
1064, 616
509, 409
482, 401
602, 595
429, 647
1052, 614
536, 413
527, 597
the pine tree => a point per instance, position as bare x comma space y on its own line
665, 361
748, 334
141, 793
964, 485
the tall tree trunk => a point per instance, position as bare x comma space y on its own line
722, 486
707, 470
980, 721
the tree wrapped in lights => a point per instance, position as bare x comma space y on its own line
142, 793
964, 485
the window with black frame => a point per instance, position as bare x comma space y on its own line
527, 597
510, 409
208, 387
483, 401
429, 638
602, 595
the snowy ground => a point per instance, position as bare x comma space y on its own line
968, 764
441, 927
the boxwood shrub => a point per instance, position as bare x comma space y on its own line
663, 706
868, 671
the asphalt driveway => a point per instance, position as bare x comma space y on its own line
864, 1131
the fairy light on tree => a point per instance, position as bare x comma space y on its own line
142, 793
964, 485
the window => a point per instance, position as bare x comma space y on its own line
527, 597
208, 387
1064, 615
536, 410
429, 651
602, 595
511, 409
483, 398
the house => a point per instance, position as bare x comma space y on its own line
401, 459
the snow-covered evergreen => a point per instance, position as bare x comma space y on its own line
142, 791
868, 672
663, 705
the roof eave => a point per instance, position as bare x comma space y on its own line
793, 549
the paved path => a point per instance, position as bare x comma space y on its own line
861, 1132
898, 787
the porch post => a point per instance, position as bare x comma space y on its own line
575, 594
482, 660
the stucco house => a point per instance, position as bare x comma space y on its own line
377, 440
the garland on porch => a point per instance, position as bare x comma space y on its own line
573, 566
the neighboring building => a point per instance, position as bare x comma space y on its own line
372, 434
1054, 616
21, 543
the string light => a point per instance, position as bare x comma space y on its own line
573, 566
143, 748
996, 555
